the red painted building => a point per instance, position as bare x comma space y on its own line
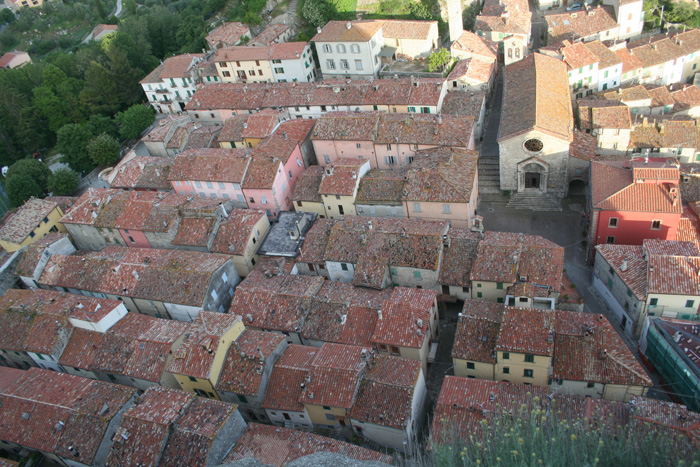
633, 200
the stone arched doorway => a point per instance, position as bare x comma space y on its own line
577, 188
532, 176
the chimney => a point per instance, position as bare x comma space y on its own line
349, 25
379, 314
623, 267
318, 30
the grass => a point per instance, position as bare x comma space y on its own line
549, 438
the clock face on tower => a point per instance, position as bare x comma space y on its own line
533, 145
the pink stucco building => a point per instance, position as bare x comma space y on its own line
388, 140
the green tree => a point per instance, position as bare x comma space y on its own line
99, 124
679, 12
6, 16
63, 182
103, 150
72, 141
32, 168
439, 60
469, 15
419, 11
130, 6
316, 12
252, 17
20, 188
134, 120
100, 92
190, 34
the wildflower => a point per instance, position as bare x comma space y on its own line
553, 440
521, 441
595, 461
498, 459
544, 419
478, 445
537, 398
600, 443
573, 437
478, 461
533, 454
463, 454
537, 429
539, 461
515, 453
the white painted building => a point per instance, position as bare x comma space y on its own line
349, 49
292, 61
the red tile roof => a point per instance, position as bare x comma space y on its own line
214, 165
510, 257
174, 67
577, 55
316, 241
335, 376
271, 33
614, 188
307, 185
405, 320
236, 230
477, 331
632, 256
588, 348
507, 16
40, 400
288, 379
577, 25
195, 432
473, 69
279, 446
441, 175
254, 96
348, 31
536, 96
656, 50
386, 393
150, 274
22, 222
244, 366
384, 187
598, 113
227, 33
527, 331
342, 177
583, 146
674, 275
471, 44
143, 172
629, 61
194, 231
195, 356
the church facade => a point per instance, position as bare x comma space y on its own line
537, 127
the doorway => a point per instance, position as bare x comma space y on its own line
532, 180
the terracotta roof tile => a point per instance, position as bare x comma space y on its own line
381, 187
142, 172
316, 241
340, 323
195, 432
471, 44
288, 378
596, 113
477, 331
536, 97
306, 187
243, 369
145, 273
614, 187
583, 146
577, 55
32, 255
235, 231
50, 398
588, 348
509, 16
508, 257
335, 376
577, 25
458, 258
385, 397
279, 446
338, 31
341, 177
527, 331
687, 97
173, 67
253, 96
195, 356
405, 320
195, 231
605, 57
635, 274
215, 165
227, 33
441, 175
473, 69
271, 33
655, 51
464, 103
25, 219
287, 50
629, 61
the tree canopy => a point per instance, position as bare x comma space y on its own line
103, 149
32, 168
134, 120
63, 182
20, 188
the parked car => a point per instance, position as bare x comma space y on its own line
573, 7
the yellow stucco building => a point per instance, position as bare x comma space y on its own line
30, 222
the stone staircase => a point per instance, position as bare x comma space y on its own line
489, 175
535, 201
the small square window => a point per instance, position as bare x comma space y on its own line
470, 365
653, 302
528, 373
529, 358
506, 370
590, 385
194, 380
612, 222
479, 295
325, 407
343, 266
506, 355
655, 225
689, 303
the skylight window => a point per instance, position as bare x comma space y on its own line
566, 22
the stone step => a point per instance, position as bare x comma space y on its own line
534, 202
